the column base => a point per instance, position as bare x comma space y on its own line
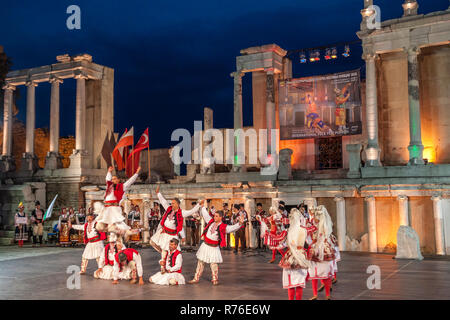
372, 157
79, 160
7, 163
415, 155
238, 169
29, 162
53, 161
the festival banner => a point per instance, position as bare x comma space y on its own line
320, 106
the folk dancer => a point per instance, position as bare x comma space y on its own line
214, 237
256, 222
73, 234
239, 235
294, 262
135, 223
227, 215
81, 219
93, 239
21, 225
106, 264
173, 266
110, 217
321, 251
37, 220
153, 218
63, 227
192, 225
131, 259
170, 226
273, 232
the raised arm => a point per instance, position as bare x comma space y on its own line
205, 215
163, 201
78, 227
187, 213
233, 228
109, 174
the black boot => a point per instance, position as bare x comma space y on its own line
34, 241
40, 240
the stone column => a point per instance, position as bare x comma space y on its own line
354, 160
438, 224
372, 149
207, 166
53, 160
79, 159
250, 206
372, 221
403, 210
341, 223
415, 147
80, 134
146, 207
270, 107
238, 117
31, 117
285, 168
7, 160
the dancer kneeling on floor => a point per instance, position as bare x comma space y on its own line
173, 266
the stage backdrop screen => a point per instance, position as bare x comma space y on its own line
320, 106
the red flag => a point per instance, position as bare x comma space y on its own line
122, 145
142, 144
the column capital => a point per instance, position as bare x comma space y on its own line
402, 197
412, 50
81, 75
9, 86
270, 71
436, 197
31, 83
370, 56
369, 198
54, 79
339, 198
237, 74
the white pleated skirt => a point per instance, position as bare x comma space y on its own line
107, 273
110, 215
162, 239
293, 278
209, 254
166, 278
93, 250
321, 270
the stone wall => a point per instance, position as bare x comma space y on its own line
69, 195
393, 110
330, 204
422, 221
387, 223
355, 218
434, 63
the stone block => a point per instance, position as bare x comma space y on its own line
408, 245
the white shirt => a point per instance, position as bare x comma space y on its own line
178, 263
136, 259
126, 185
214, 236
91, 231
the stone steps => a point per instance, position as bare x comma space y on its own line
6, 241
6, 234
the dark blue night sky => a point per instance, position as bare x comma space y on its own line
172, 58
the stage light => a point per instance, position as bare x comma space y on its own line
303, 58
346, 51
327, 54
312, 56
317, 55
333, 53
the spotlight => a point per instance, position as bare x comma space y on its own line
346, 51
303, 58
317, 54
328, 54
312, 56
333, 53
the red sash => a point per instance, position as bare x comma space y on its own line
222, 233
100, 235
173, 259
178, 222
107, 261
118, 191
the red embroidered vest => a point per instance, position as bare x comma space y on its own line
100, 235
118, 191
128, 252
222, 233
173, 259
107, 261
178, 222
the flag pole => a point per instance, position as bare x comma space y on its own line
148, 161
132, 160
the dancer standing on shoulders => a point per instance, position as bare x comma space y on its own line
215, 237
111, 218
170, 226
